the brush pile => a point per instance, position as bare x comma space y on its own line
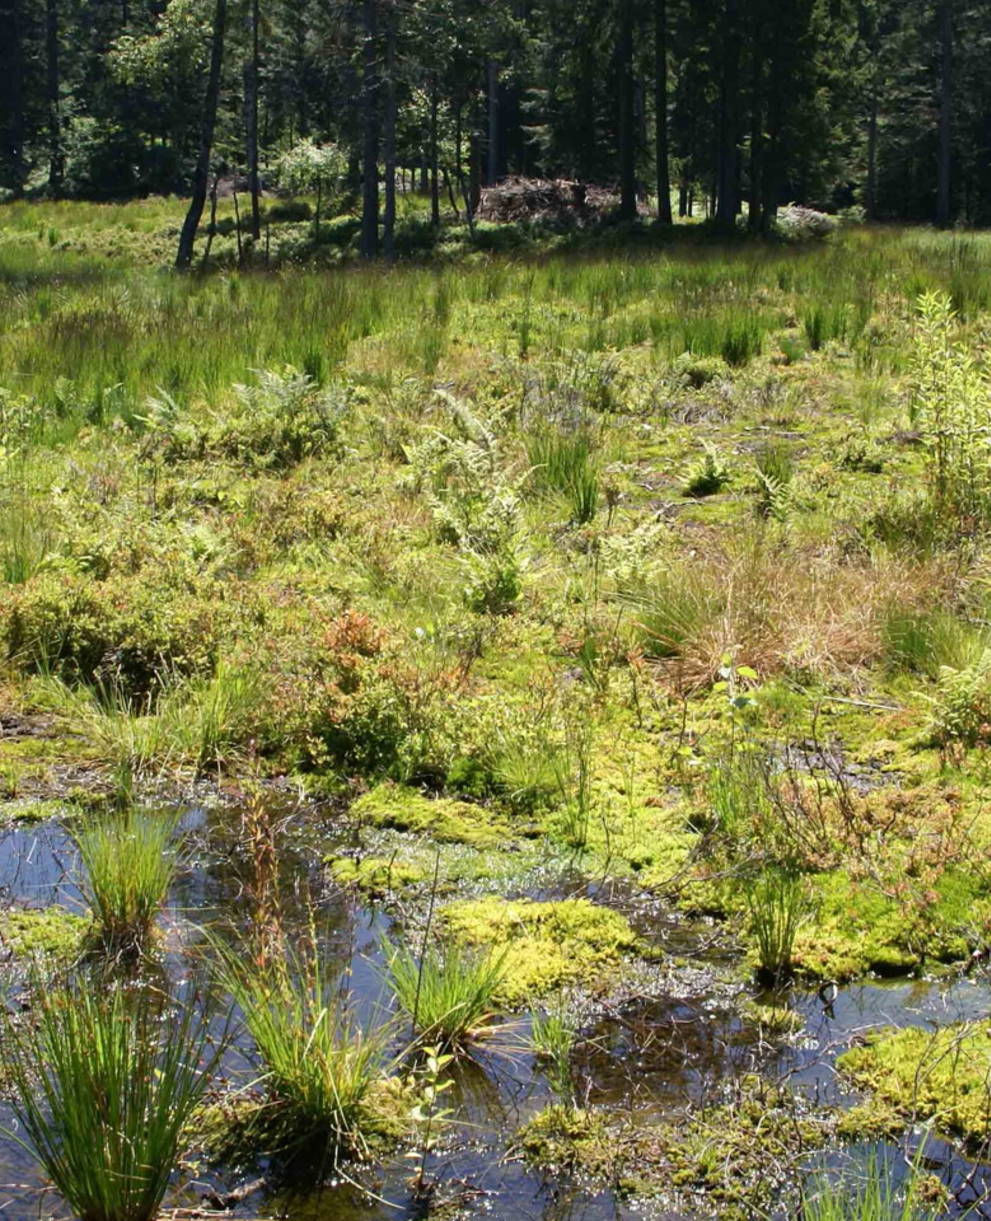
557, 201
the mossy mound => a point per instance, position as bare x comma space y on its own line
444, 819
858, 929
48, 931
916, 1075
732, 1161
374, 875
547, 945
239, 1129
570, 1138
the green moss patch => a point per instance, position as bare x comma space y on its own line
733, 1159
238, 1129
859, 929
374, 875
547, 944
50, 931
923, 1075
442, 818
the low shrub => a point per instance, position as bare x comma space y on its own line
126, 630
801, 224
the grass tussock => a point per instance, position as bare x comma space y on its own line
129, 861
447, 995
319, 1066
104, 1083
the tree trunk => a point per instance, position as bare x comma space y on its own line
434, 179
251, 118
661, 111
627, 117
870, 198
492, 88
389, 219
370, 133
12, 118
201, 176
945, 112
56, 155
727, 168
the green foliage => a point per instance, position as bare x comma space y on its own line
775, 469
707, 475
124, 633
950, 406
448, 994
777, 907
430, 1119
873, 1195
105, 1081
926, 641
563, 462
276, 422
552, 1038
672, 610
320, 1068
961, 705
129, 863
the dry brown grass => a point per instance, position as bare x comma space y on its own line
779, 607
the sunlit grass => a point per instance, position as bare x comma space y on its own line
104, 1084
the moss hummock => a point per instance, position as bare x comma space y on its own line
442, 818
50, 931
547, 944
917, 1075
374, 875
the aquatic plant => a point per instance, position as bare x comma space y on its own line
552, 1038
776, 907
318, 1064
129, 861
104, 1083
873, 1195
447, 994
429, 1118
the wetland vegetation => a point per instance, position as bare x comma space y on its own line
508, 736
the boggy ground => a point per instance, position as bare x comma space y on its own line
609, 611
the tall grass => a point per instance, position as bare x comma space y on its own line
104, 1083
129, 862
924, 641
777, 908
318, 1064
875, 1195
552, 1037
449, 996
564, 462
